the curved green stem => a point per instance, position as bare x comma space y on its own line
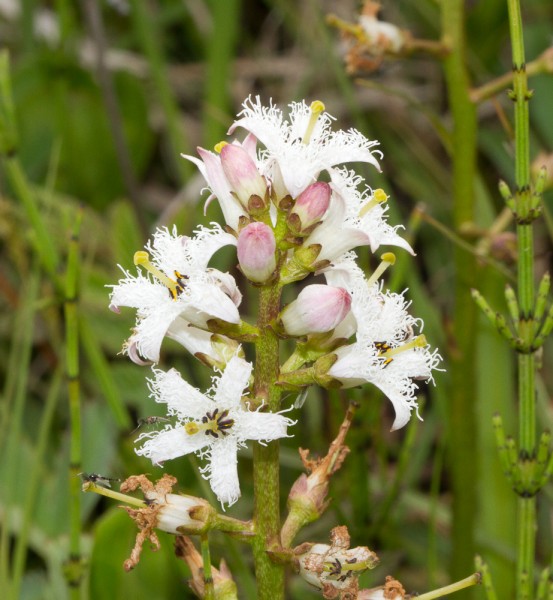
450, 589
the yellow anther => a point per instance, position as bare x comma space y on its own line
378, 197
218, 147
143, 259
388, 259
316, 108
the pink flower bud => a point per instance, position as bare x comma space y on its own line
242, 174
318, 308
310, 207
256, 251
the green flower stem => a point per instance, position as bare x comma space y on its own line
294, 362
294, 380
74, 566
89, 486
462, 418
209, 592
526, 362
241, 530
269, 575
450, 589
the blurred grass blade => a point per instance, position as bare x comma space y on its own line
227, 17
42, 241
74, 569
148, 37
103, 375
14, 401
21, 546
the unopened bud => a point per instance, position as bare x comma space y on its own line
242, 174
224, 587
309, 208
256, 252
318, 308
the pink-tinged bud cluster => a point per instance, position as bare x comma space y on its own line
310, 207
317, 309
242, 174
256, 252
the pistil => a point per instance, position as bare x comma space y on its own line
388, 259
175, 287
316, 108
416, 342
378, 197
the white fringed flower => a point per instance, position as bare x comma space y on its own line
179, 290
354, 218
387, 351
298, 149
214, 426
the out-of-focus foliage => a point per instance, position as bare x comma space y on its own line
393, 491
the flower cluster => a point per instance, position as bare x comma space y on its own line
293, 210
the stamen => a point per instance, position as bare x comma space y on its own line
316, 108
213, 424
388, 259
388, 353
218, 147
379, 196
333, 568
175, 287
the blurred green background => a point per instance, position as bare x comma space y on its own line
106, 96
